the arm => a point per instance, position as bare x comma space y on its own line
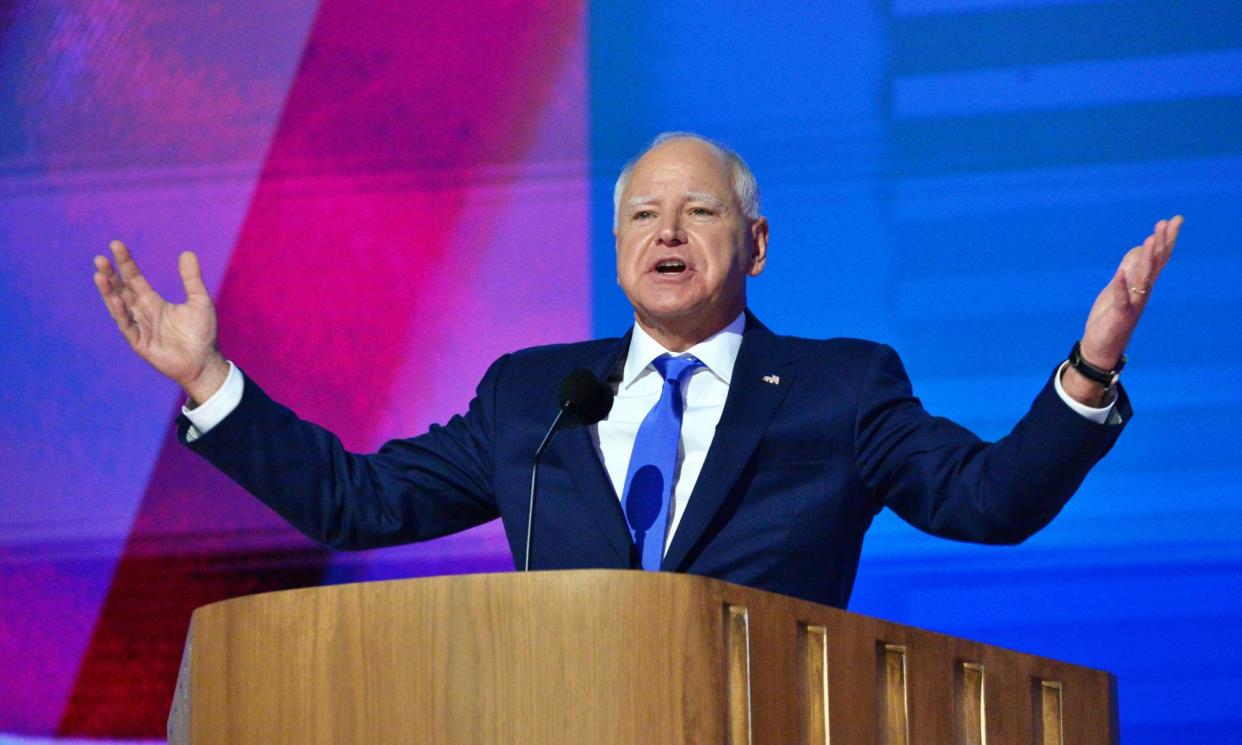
410, 490
944, 480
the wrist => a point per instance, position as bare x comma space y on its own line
209, 379
1082, 364
1099, 359
1084, 390
1086, 381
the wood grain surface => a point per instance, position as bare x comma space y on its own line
600, 656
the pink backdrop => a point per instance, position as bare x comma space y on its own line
385, 198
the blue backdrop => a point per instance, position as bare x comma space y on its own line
959, 178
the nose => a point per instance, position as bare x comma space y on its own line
671, 233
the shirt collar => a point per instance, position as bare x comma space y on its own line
718, 352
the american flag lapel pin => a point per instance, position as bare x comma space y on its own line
773, 379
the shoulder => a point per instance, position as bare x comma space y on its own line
556, 354
544, 366
846, 364
524, 383
837, 351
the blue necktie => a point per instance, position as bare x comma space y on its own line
649, 479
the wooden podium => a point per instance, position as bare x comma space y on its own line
600, 656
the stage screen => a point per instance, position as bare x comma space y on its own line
387, 198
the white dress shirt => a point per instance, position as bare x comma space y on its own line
703, 393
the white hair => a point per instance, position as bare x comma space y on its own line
745, 187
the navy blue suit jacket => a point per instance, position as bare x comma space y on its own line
795, 473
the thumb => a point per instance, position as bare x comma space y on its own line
192, 277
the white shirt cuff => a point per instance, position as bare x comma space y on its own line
1099, 416
213, 411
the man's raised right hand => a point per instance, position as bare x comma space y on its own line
177, 340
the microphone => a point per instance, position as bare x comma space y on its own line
584, 397
584, 401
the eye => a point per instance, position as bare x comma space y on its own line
642, 215
702, 212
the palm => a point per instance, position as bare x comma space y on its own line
171, 337
178, 340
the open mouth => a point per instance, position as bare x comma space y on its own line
671, 266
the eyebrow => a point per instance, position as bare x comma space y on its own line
689, 196
703, 196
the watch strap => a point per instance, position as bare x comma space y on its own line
1106, 378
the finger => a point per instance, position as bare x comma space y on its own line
112, 300
104, 267
1160, 252
1144, 262
116, 307
1118, 286
1175, 227
110, 285
1172, 231
105, 278
1172, 227
1133, 283
128, 268
1142, 270
127, 294
102, 283
192, 276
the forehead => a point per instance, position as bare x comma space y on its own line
682, 165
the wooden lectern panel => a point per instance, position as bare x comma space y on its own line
605, 657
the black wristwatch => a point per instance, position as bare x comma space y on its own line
1106, 378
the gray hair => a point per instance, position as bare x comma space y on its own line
745, 187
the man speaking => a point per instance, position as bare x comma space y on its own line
730, 451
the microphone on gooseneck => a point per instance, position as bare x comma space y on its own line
584, 397
584, 401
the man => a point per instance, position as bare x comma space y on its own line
730, 451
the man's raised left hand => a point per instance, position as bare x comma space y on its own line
1117, 309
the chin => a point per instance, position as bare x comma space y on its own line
671, 309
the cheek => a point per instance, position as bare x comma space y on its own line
624, 253
628, 264
630, 251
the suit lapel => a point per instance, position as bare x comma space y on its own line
761, 376
581, 458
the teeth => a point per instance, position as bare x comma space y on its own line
670, 265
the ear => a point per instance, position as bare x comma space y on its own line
616, 250
759, 246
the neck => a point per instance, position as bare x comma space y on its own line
679, 334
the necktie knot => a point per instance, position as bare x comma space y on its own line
675, 369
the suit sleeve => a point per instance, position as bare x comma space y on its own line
410, 490
944, 480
